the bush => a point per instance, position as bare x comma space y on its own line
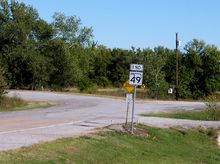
92, 89
3, 86
103, 81
8, 103
212, 107
87, 85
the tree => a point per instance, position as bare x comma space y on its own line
193, 63
211, 69
203, 70
119, 66
153, 70
18, 23
83, 65
22, 36
102, 59
69, 29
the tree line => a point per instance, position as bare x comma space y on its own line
35, 53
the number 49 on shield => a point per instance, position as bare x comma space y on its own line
136, 79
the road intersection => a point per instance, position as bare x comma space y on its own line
77, 115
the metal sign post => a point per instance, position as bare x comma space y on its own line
129, 89
129, 98
132, 117
135, 78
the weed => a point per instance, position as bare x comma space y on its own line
212, 108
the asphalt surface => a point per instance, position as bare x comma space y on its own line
76, 115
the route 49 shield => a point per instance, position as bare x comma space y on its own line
136, 78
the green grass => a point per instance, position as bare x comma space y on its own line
160, 146
204, 115
9, 104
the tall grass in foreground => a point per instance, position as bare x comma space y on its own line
8, 103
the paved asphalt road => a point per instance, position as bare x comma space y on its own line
77, 115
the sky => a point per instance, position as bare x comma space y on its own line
140, 23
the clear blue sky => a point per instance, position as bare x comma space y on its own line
140, 23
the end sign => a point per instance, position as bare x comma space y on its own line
136, 74
136, 67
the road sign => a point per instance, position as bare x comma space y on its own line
136, 78
128, 87
170, 90
129, 97
136, 74
136, 67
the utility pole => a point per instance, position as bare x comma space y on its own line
177, 67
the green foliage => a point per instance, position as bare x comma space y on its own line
154, 74
22, 32
102, 59
201, 69
212, 107
87, 85
119, 66
3, 86
69, 29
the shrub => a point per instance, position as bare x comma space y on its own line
212, 107
3, 86
87, 85
103, 81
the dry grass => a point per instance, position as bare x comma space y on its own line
8, 104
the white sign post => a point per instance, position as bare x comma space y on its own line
135, 78
129, 98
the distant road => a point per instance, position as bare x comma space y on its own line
77, 115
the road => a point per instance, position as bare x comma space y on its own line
77, 115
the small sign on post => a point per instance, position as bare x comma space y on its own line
136, 74
135, 78
129, 97
128, 87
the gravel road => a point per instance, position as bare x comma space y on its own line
77, 115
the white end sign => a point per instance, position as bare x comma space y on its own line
136, 67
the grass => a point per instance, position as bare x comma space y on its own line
160, 146
9, 104
205, 115
120, 92
113, 92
